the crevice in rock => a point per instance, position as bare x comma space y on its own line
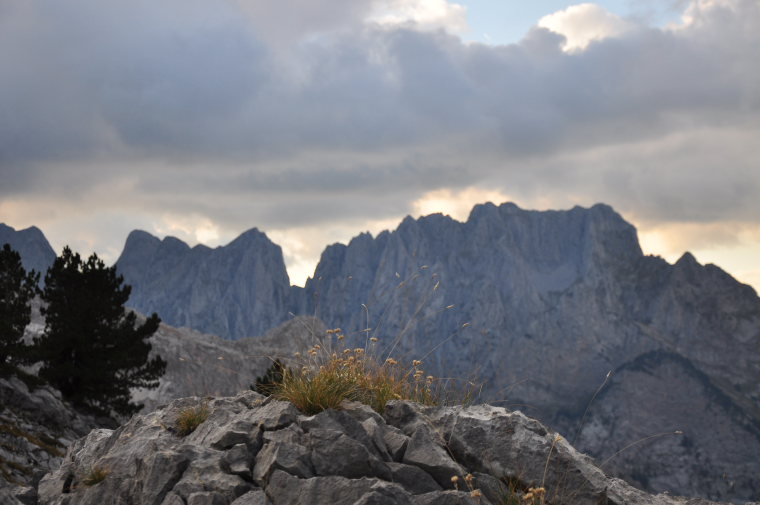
67, 483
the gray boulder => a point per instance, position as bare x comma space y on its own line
426, 451
449, 497
412, 478
285, 489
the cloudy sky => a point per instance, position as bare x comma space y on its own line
314, 120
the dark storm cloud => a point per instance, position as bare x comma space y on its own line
215, 101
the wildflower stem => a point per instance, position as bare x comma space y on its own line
657, 435
585, 412
548, 457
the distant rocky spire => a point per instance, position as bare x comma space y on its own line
32, 245
234, 291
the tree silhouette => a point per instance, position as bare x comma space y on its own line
17, 288
273, 376
92, 349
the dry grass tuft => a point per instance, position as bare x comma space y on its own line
95, 476
370, 371
189, 419
329, 378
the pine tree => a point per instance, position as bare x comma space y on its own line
92, 350
17, 288
266, 383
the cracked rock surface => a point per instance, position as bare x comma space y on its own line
253, 450
36, 426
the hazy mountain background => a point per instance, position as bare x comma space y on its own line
540, 306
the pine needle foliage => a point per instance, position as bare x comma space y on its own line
92, 349
266, 383
17, 288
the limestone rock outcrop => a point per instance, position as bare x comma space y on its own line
257, 450
36, 427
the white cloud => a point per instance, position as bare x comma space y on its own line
699, 12
584, 23
426, 14
456, 203
239, 114
190, 228
733, 246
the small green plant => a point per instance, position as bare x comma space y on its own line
190, 418
96, 475
510, 491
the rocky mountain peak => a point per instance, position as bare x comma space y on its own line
140, 239
687, 260
140, 246
252, 236
31, 244
236, 290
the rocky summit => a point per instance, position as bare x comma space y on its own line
253, 450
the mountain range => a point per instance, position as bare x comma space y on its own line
557, 313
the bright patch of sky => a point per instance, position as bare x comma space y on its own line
506, 22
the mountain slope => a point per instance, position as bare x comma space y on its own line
206, 365
543, 305
235, 291
36, 426
714, 454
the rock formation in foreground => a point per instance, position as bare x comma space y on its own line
254, 450
37, 425
36, 428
